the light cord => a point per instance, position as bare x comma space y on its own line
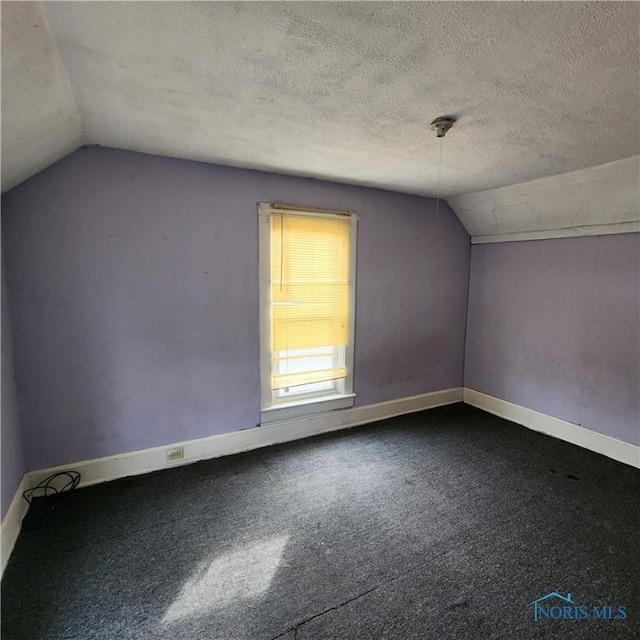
438, 192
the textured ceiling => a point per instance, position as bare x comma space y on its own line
40, 120
343, 91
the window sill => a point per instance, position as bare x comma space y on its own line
289, 410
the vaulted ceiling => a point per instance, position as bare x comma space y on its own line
343, 91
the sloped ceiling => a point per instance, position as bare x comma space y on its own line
602, 199
40, 120
341, 91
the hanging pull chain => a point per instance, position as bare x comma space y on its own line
439, 182
440, 126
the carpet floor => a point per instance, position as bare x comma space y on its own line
437, 525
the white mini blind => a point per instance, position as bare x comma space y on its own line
309, 293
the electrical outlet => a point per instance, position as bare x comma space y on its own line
175, 454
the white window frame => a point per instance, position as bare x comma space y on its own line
271, 409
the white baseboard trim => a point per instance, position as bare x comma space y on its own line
147, 460
11, 524
592, 440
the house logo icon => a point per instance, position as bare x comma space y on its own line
543, 606
555, 606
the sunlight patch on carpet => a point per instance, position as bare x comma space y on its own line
241, 574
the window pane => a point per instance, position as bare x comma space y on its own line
310, 295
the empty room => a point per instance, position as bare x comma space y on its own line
320, 320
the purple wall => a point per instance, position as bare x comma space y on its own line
11, 459
553, 326
133, 283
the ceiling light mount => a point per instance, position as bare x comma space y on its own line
442, 124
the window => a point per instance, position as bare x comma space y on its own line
307, 298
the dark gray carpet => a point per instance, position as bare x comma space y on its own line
443, 524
